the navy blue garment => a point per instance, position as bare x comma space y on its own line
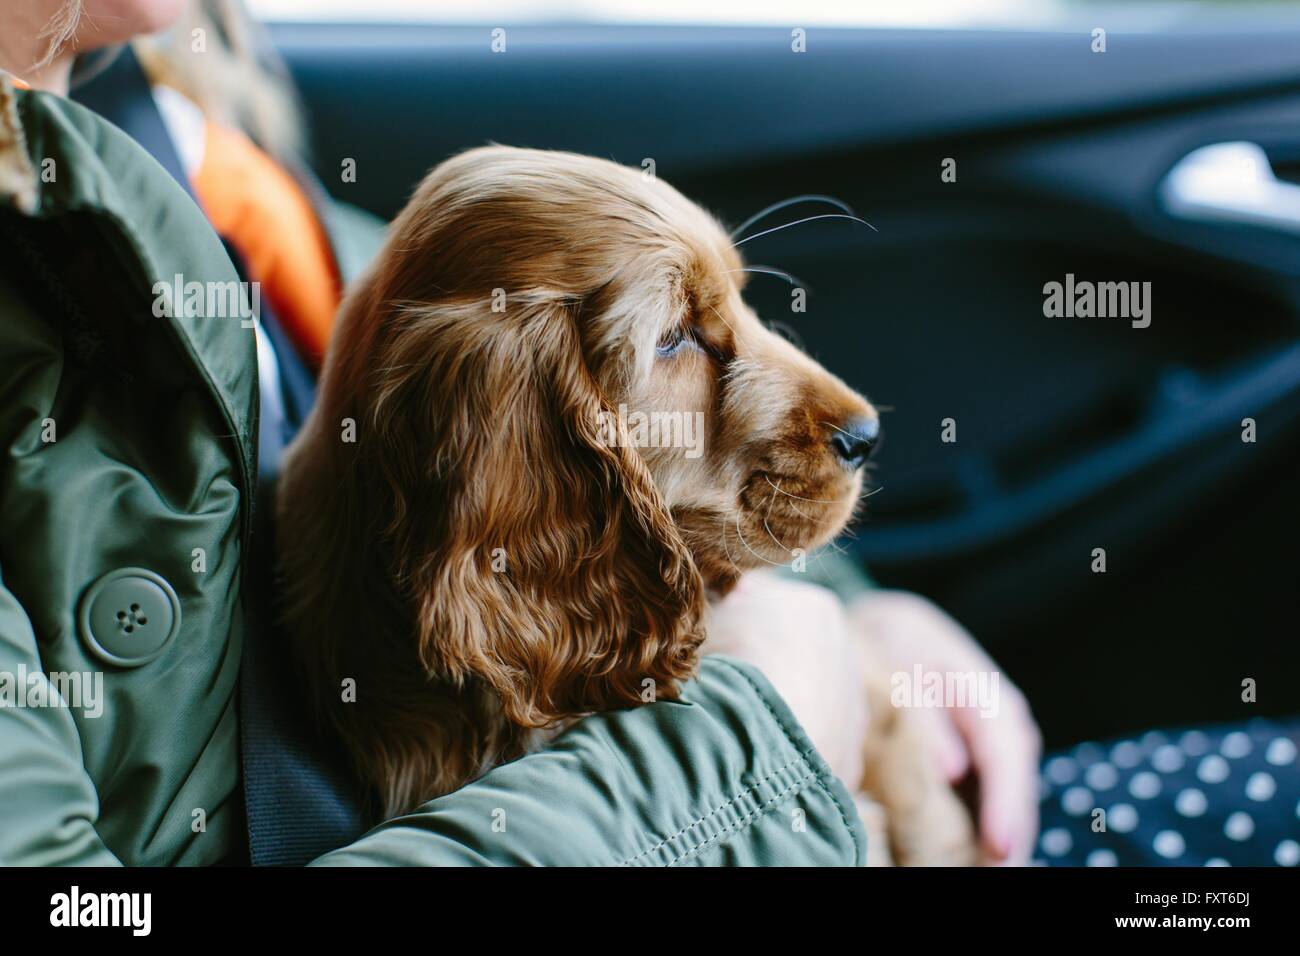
121, 94
1223, 796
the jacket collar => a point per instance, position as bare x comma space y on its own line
99, 170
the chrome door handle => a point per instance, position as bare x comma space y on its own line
1231, 183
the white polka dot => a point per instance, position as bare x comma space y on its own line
1239, 826
1168, 759
1194, 742
1287, 853
1153, 739
1088, 752
1260, 787
1144, 785
1061, 770
1122, 818
1280, 752
1235, 745
1102, 858
1077, 801
1126, 754
1169, 844
1191, 802
1056, 842
1101, 776
1217, 861
1213, 769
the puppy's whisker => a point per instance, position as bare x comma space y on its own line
818, 501
722, 519
779, 273
766, 513
821, 555
786, 203
774, 538
806, 517
837, 547
800, 222
822, 552
838, 429
741, 535
724, 321
793, 508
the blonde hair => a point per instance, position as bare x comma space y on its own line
59, 31
220, 58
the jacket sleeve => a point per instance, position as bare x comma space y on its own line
724, 776
48, 804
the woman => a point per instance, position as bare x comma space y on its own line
129, 475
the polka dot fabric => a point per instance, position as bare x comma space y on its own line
1228, 796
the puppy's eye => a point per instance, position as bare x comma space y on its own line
671, 343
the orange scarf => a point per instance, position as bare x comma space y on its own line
260, 210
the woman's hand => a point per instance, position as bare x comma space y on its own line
997, 740
798, 635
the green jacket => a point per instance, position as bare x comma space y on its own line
129, 443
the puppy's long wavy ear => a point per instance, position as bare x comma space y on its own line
537, 555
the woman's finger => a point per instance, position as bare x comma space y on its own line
944, 742
1004, 751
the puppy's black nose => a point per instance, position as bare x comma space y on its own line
854, 442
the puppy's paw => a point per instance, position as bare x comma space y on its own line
936, 830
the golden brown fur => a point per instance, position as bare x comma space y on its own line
520, 295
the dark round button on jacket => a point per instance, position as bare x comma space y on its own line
129, 616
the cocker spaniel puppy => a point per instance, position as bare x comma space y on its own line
470, 525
